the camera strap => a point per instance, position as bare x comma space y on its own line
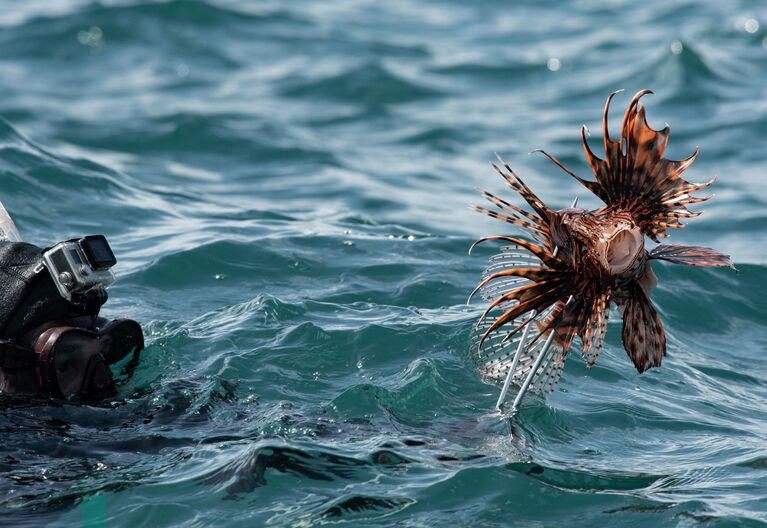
91, 302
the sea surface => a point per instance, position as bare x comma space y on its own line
286, 186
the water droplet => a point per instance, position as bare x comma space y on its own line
554, 64
219, 276
359, 364
411, 237
677, 47
751, 25
182, 70
348, 243
90, 37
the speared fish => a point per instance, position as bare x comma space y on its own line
546, 291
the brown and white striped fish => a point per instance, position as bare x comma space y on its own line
581, 261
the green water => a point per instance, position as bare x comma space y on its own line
286, 185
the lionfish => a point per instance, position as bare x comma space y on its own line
562, 283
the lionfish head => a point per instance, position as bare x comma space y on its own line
610, 241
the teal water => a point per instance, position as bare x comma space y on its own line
286, 187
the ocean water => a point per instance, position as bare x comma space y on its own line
286, 186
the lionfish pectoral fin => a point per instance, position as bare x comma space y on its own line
498, 354
691, 255
643, 336
537, 297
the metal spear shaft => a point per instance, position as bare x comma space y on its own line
514, 363
533, 370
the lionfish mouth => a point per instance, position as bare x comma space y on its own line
622, 250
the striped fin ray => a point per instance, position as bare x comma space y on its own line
636, 177
596, 328
532, 229
550, 369
514, 215
516, 183
546, 290
643, 336
690, 255
497, 289
496, 356
510, 258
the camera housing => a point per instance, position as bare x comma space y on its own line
81, 265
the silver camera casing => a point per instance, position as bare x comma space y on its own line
71, 271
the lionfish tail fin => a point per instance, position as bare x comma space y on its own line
691, 255
643, 336
635, 176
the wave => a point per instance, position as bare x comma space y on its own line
372, 84
285, 186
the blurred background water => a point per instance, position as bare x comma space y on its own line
286, 187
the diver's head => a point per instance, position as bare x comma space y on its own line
73, 357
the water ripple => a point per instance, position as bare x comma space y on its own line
286, 189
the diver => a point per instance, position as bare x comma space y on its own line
53, 344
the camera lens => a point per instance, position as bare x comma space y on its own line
98, 252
